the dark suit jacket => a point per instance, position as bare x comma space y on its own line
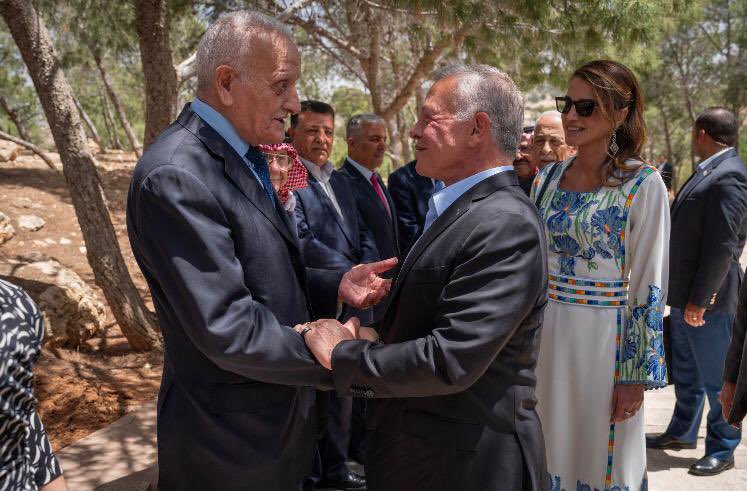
735, 368
383, 228
410, 192
329, 241
461, 338
709, 226
228, 283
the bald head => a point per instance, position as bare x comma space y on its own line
548, 144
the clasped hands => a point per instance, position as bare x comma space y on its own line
361, 287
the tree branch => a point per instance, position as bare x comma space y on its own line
38, 151
424, 65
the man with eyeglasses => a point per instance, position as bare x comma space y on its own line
548, 141
333, 236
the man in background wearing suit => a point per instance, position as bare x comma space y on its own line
709, 226
366, 138
410, 193
333, 237
452, 388
226, 273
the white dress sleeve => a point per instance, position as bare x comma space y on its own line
647, 262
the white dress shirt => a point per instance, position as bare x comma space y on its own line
322, 174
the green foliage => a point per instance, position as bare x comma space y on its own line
17, 89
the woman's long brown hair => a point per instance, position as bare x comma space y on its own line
615, 87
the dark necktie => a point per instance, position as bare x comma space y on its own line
380, 193
259, 164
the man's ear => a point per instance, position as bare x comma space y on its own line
480, 129
224, 78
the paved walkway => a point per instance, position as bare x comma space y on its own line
121, 456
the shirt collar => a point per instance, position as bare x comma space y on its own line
321, 173
710, 159
365, 172
444, 198
220, 124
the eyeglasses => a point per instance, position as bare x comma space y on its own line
584, 107
282, 160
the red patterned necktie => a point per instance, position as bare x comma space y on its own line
380, 192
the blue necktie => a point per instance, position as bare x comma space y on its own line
259, 164
438, 185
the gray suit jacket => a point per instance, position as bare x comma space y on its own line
227, 279
461, 338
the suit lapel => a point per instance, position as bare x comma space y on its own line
698, 177
236, 170
369, 190
448, 217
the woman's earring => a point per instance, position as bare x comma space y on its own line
613, 145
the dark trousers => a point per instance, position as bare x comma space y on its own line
333, 421
357, 446
698, 356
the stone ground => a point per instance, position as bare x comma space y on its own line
121, 456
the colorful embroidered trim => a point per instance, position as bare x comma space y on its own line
648, 170
568, 280
611, 442
590, 293
584, 301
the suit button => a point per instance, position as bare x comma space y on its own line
370, 393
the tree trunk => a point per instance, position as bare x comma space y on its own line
670, 153
395, 153
404, 138
119, 109
111, 128
152, 21
26, 144
15, 118
89, 124
56, 97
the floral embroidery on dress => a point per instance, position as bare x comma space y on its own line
644, 362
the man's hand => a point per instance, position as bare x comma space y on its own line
627, 399
323, 335
726, 397
362, 287
694, 315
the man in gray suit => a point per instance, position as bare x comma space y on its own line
452, 387
235, 410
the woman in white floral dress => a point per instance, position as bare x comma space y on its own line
606, 218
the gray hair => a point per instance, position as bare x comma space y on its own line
229, 41
355, 123
483, 88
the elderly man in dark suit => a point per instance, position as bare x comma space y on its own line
226, 273
410, 193
332, 236
452, 386
709, 226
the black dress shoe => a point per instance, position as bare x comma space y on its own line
710, 466
353, 481
664, 442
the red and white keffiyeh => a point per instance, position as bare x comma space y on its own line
297, 174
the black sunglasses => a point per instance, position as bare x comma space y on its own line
584, 107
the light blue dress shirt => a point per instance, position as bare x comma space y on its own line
442, 199
707, 161
220, 124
